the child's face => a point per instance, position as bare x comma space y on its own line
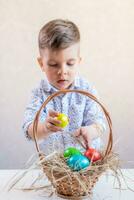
60, 66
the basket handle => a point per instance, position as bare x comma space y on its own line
36, 119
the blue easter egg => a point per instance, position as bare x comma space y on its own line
78, 162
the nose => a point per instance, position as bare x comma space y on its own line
62, 70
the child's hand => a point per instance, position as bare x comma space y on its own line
49, 125
88, 133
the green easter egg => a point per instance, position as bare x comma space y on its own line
71, 151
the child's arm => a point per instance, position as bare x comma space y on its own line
47, 127
94, 124
45, 122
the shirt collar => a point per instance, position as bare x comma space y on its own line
47, 87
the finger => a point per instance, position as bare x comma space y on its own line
53, 113
85, 144
83, 137
53, 128
53, 120
77, 133
86, 137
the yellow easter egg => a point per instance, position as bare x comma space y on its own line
63, 119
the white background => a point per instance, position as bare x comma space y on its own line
107, 48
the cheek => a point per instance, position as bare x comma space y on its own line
72, 72
50, 74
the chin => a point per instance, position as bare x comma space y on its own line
62, 88
65, 87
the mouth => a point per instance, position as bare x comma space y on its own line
62, 82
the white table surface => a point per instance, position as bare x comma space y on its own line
104, 189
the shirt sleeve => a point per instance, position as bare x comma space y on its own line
93, 113
36, 100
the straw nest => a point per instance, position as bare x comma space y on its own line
75, 184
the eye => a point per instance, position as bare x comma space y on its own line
53, 65
70, 64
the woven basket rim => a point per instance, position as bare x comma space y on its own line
36, 119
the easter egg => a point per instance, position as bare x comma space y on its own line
63, 119
77, 162
92, 154
71, 151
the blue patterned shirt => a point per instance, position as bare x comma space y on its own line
81, 110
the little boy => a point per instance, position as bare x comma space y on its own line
59, 48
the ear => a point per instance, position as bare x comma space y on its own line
39, 59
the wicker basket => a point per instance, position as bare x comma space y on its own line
68, 183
